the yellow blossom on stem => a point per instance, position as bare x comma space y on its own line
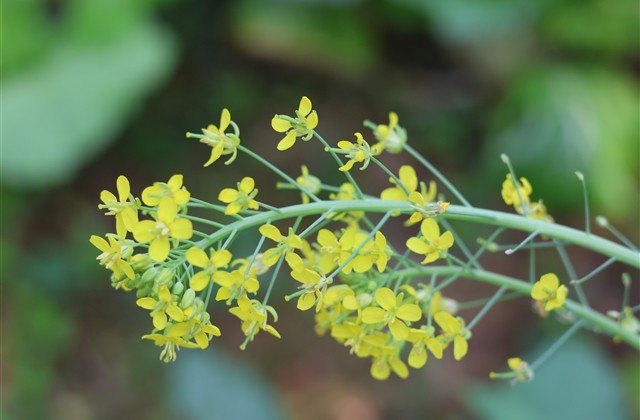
424, 206
453, 329
392, 312
157, 233
373, 252
235, 284
165, 305
423, 339
254, 317
114, 255
431, 244
386, 360
285, 245
309, 182
392, 137
210, 265
240, 199
520, 371
314, 284
548, 292
409, 180
197, 328
221, 142
516, 195
358, 152
302, 126
124, 207
171, 190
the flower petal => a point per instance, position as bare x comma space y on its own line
271, 232
181, 229
385, 298
100, 243
225, 118
199, 281
159, 249
305, 106
228, 195
124, 189
460, 347
312, 120
409, 312
288, 141
373, 315
280, 125
430, 230
399, 329
197, 257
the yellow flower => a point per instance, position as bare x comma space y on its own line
453, 329
431, 244
113, 256
240, 199
408, 179
309, 182
124, 207
521, 368
210, 266
171, 190
392, 136
516, 195
222, 143
423, 339
424, 206
548, 292
373, 252
164, 305
313, 283
157, 233
285, 245
392, 312
235, 284
254, 317
357, 152
200, 330
302, 126
385, 360
520, 371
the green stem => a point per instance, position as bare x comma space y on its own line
454, 212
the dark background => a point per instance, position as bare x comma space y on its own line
95, 89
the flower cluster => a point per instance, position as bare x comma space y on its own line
378, 291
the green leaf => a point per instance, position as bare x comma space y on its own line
59, 114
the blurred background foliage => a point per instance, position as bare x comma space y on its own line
94, 89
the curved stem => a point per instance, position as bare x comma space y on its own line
455, 212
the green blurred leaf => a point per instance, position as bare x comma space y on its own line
606, 27
465, 21
64, 111
577, 382
554, 121
321, 38
211, 385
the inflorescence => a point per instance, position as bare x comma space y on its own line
384, 302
